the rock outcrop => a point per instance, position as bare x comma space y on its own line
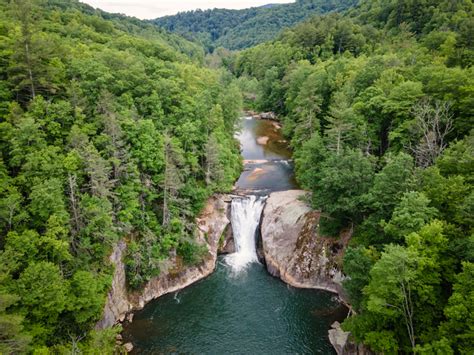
338, 338
342, 343
211, 223
227, 243
117, 304
292, 248
263, 140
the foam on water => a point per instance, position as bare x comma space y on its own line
245, 215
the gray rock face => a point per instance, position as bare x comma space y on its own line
268, 116
211, 223
341, 342
293, 249
117, 304
227, 243
338, 338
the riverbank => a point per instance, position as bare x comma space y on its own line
211, 224
268, 169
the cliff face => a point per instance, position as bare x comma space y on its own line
117, 304
292, 248
211, 224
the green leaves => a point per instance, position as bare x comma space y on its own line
108, 131
410, 215
378, 116
341, 184
43, 296
85, 300
459, 327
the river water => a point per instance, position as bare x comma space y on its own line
240, 308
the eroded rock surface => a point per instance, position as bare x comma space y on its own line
293, 249
227, 243
211, 223
342, 343
117, 304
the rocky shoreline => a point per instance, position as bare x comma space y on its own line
290, 247
212, 223
293, 249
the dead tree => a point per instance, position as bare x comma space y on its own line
433, 122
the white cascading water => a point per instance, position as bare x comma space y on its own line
245, 218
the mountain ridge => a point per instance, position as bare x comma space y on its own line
239, 29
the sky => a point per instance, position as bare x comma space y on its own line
149, 9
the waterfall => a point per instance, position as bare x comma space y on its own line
245, 218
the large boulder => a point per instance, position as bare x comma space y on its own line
292, 248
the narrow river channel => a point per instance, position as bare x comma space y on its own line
240, 308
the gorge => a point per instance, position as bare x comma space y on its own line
240, 307
128, 207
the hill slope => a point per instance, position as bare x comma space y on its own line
238, 29
106, 124
378, 107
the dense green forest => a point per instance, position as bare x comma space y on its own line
238, 29
109, 128
112, 128
379, 104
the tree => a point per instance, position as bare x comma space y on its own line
13, 338
458, 327
214, 168
339, 122
33, 68
172, 180
341, 184
433, 123
10, 205
390, 184
309, 161
47, 199
113, 130
43, 297
393, 285
412, 213
85, 300
357, 265
24, 11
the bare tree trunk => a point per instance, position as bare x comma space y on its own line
30, 71
338, 144
77, 225
165, 187
434, 123
408, 313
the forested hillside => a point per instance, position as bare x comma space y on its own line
109, 129
379, 108
238, 29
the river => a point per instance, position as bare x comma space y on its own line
240, 308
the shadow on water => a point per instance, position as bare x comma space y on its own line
246, 312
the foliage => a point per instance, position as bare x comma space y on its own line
238, 29
377, 105
106, 127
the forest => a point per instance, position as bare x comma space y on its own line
239, 29
109, 128
378, 104
112, 128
